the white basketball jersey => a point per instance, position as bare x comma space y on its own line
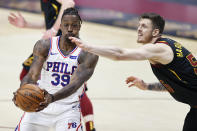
57, 71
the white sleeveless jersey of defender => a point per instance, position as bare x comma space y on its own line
57, 71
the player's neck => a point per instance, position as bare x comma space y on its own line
155, 39
66, 45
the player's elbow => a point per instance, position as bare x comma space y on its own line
118, 58
118, 55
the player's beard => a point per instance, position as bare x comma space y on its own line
67, 38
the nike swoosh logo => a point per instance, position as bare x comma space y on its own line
53, 53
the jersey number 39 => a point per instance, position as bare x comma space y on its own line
60, 79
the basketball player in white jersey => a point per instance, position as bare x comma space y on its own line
62, 68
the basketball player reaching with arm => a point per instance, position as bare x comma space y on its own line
174, 66
63, 68
134, 81
52, 24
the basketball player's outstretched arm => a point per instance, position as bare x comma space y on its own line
134, 81
159, 53
40, 53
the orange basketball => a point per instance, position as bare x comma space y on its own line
28, 97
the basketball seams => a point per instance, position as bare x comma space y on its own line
28, 98
32, 90
21, 99
22, 103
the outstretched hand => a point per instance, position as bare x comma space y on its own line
78, 42
134, 81
48, 98
17, 20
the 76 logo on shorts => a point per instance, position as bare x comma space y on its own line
72, 125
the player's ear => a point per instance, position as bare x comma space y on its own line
155, 32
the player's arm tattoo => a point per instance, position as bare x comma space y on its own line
40, 53
156, 87
87, 64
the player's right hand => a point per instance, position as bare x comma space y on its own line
14, 98
134, 81
48, 98
17, 20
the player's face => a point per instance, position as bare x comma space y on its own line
70, 26
144, 31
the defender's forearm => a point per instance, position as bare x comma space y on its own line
156, 87
113, 53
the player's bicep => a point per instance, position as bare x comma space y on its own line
40, 53
160, 53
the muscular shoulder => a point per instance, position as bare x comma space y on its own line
87, 57
159, 52
41, 48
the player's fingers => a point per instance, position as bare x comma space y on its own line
10, 18
14, 98
130, 79
19, 14
42, 105
39, 109
73, 39
44, 92
131, 85
13, 15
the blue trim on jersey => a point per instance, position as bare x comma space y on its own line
16, 128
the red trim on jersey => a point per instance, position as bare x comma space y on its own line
61, 52
20, 121
83, 92
164, 42
78, 127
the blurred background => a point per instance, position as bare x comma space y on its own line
106, 22
180, 14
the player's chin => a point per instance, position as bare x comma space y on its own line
142, 41
139, 41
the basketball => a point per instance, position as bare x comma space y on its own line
28, 97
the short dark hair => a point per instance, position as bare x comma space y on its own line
71, 11
157, 20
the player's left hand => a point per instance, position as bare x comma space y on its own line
48, 98
79, 42
14, 98
134, 81
17, 20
